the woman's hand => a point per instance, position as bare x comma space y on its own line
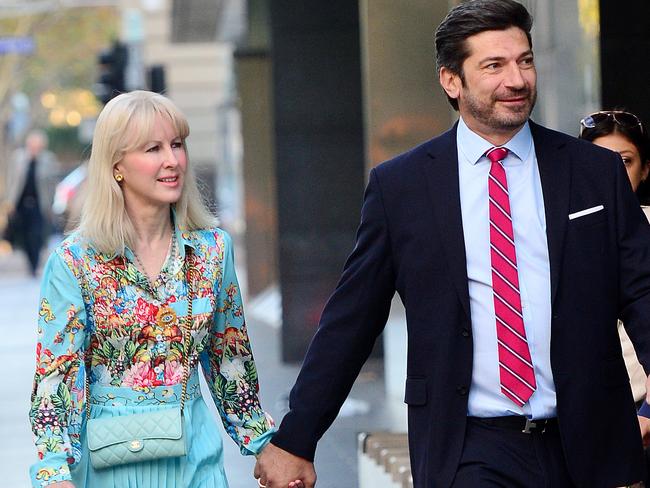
62, 484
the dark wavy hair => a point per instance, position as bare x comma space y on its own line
470, 18
637, 135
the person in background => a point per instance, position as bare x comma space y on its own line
31, 179
624, 133
146, 265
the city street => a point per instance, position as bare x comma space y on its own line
336, 463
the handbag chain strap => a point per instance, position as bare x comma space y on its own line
186, 325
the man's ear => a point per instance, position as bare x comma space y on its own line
450, 82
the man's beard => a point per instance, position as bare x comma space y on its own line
506, 119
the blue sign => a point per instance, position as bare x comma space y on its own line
17, 45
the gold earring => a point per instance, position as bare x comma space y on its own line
118, 177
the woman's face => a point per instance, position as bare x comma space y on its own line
637, 170
154, 173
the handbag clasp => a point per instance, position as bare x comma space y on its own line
136, 445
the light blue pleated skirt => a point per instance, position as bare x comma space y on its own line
202, 467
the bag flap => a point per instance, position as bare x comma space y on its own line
161, 424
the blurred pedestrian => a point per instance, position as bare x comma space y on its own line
31, 179
623, 132
514, 249
132, 301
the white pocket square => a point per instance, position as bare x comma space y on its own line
586, 211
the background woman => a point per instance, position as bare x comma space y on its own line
113, 296
624, 133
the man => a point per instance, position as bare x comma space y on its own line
514, 249
30, 186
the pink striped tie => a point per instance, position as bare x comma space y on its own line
516, 373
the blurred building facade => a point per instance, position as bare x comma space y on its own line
181, 42
291, 104
329, 89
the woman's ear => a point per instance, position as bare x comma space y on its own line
645, 170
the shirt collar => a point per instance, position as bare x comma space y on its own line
473, 146
183, 238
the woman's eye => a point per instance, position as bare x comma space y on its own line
177, 144
152, 149
627, 161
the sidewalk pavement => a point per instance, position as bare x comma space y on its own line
367, 408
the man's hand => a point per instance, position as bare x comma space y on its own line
277, 468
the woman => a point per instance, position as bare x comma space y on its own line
114, 306
624, 133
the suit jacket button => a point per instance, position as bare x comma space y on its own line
465, 333
462, 390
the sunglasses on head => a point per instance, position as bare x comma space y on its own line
621, 118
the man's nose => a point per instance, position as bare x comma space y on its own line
514, 77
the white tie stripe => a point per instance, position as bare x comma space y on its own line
514, 353
507, 326
531, 387
512, 393
502, 233
498, 183
506, 258
514, 288
514, 310
503, 211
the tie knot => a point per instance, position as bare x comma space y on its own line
497, 154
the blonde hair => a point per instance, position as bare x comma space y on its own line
126, 123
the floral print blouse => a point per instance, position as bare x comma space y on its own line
103, 311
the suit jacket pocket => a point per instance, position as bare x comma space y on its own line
416, 392
589, 220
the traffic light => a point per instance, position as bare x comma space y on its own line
112, 68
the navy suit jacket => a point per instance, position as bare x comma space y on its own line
411, 241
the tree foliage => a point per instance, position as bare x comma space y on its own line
67, 42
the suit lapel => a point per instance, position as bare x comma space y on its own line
442, 184
555, 175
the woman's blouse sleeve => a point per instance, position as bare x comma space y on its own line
229, 366
57, 403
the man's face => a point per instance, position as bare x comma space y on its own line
499, 90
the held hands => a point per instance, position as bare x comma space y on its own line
277, 468
61, 484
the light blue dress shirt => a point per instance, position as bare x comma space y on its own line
529, 223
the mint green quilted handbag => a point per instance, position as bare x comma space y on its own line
113, 441
136, 438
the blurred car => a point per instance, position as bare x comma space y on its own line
68, 198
